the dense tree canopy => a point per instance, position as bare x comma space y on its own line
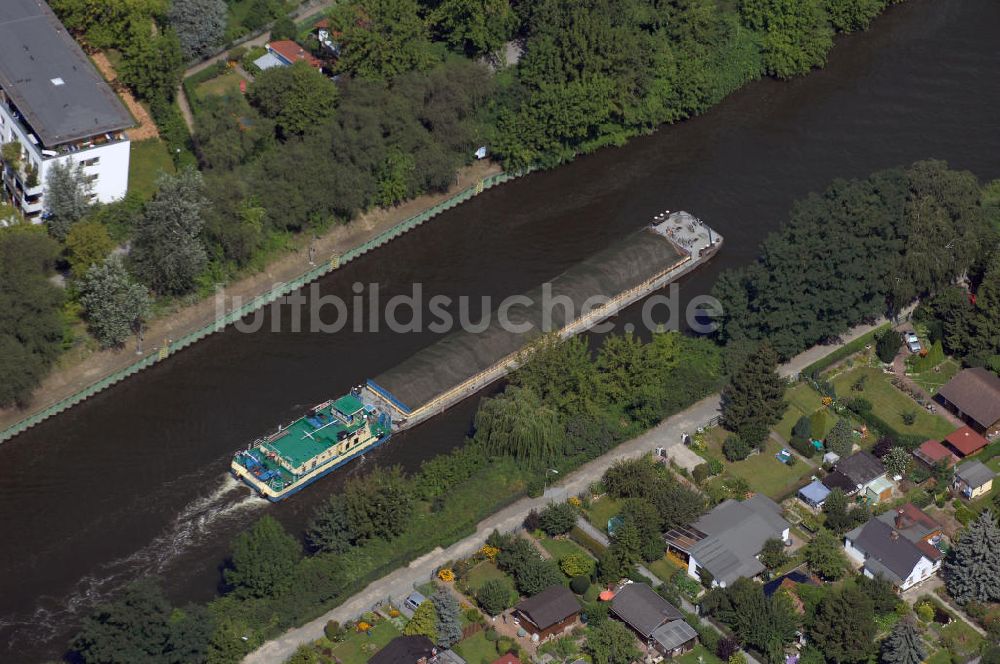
200, 25
141, 626
382, 39
297, 98
115, 304
262, 559
31, 327
857, 250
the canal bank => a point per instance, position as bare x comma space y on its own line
133, 481
78, 380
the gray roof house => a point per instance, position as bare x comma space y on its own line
858, 473
973, 479
725, 542
657, 622
899, 546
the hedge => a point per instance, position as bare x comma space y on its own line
844, 351
578, 535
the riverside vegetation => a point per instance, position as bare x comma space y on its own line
414, 99
565, 406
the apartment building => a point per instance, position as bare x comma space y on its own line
55, 108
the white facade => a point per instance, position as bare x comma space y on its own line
922, 570
105, 160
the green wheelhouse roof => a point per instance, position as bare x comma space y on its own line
348, 404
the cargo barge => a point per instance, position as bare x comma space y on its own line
464, 362
329, 435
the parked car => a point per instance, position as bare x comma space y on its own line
912, 342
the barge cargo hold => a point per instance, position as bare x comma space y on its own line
325, 438
464, 362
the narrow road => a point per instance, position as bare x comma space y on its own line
400, 582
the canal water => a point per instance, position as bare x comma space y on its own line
134, 481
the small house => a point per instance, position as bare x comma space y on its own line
973, 479
965, 442
902, 546
974, 396
285, 53
860, 474
655, 621
550, 612
814, 494
932, 453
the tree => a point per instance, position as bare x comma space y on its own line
825, 555
577, 564
753, 401
283, 28
972, 569
141, 626
330, 527
844, 627
381, 39
766, 623
897, 461
449, 625
87, 243
262, 560
297, 98
474, 28
495, 596
630, 478
536, 575
881, 592
67, 197
114, 304
795, 36
840, 440
903, 645
200, 25
773, 555
167, 253
735, 448
107, 23
152, 65
853, 15
378, 505
517, 424
840, 517
31, 322
423, 622
887, 345
558, 518
610, 642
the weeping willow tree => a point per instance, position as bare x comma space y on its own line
517, 424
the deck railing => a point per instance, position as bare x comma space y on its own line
277, 292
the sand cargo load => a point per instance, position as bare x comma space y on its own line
464, 362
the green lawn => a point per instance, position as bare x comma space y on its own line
601, 510
476, 649
560, 548
698, 655
763, 472
802, 400
889, 403
481, 573
933, 380
358, 648
663, 569
220, 86
147, 160
967, 640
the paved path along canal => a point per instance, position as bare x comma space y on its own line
133, 482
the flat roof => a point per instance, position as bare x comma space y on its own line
305, 439
50, 80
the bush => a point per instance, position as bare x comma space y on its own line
714, 466
579, 584
700, 473
577, 564
803, 446
532, 522
333, 631
558, 518
887, 345
495, 596
859, 405
735, 448
964, 515
909, 417
535, 487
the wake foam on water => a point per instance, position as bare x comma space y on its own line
230, 499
